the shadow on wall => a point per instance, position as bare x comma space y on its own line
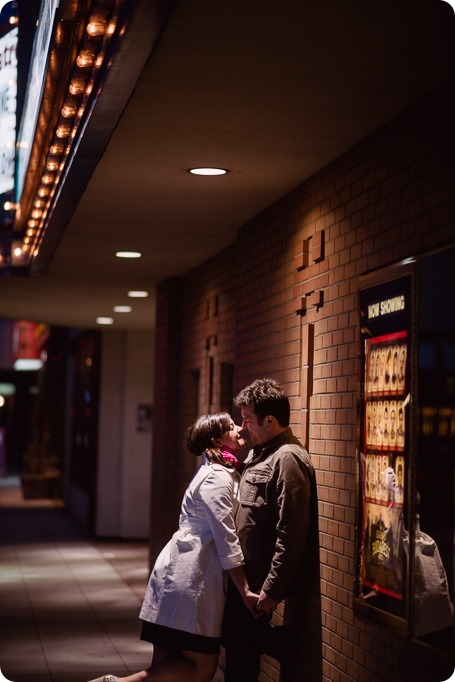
303, 611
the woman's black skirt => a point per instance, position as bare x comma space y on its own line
178, 640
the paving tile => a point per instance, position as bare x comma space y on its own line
31, 678
69, 605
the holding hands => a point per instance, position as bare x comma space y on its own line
259, 604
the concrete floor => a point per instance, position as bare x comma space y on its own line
68, 605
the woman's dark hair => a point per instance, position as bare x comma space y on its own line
206, 429
267, 397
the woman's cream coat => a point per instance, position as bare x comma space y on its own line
186, 590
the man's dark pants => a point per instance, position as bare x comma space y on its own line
243, 637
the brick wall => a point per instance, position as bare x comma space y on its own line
282, 302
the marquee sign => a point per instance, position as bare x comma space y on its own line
8, 98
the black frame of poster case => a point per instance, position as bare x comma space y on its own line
385, 466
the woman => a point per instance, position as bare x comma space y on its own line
184, 602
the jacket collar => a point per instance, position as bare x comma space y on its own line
263, 449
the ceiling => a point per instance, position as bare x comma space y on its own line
272, 90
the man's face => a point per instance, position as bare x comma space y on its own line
258, 432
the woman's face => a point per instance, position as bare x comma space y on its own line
232, 438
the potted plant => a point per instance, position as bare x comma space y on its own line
41, 475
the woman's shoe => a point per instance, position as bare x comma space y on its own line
106, 678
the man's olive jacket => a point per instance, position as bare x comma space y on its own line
273, 516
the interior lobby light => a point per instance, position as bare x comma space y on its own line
208, 171
27, 364
128, 254
104, 320
138, 294
122, 309
7, 389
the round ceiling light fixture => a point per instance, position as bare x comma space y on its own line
122, 309
104, 320
128, 254
138, 294
208, 171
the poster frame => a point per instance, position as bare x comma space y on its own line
384, 592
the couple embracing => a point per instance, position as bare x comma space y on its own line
239, 548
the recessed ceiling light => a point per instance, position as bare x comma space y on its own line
208, 171
122, 309
138, 294
128, 254
104, 320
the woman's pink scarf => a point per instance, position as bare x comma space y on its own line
229, 456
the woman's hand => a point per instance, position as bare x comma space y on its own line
250, 599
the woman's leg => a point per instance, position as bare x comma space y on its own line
159, 655
204, 665
172, 666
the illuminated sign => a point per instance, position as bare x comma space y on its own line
390, 305
35, 84
3, 3
8, 97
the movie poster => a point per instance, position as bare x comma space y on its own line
384, 416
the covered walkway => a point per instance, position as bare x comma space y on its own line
68, 605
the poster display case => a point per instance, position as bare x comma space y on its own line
405, 473
385, 434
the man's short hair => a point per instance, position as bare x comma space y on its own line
267, 397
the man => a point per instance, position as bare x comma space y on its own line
272, 523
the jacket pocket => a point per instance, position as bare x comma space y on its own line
254, 488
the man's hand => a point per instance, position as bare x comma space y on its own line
265, 603
250, 599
